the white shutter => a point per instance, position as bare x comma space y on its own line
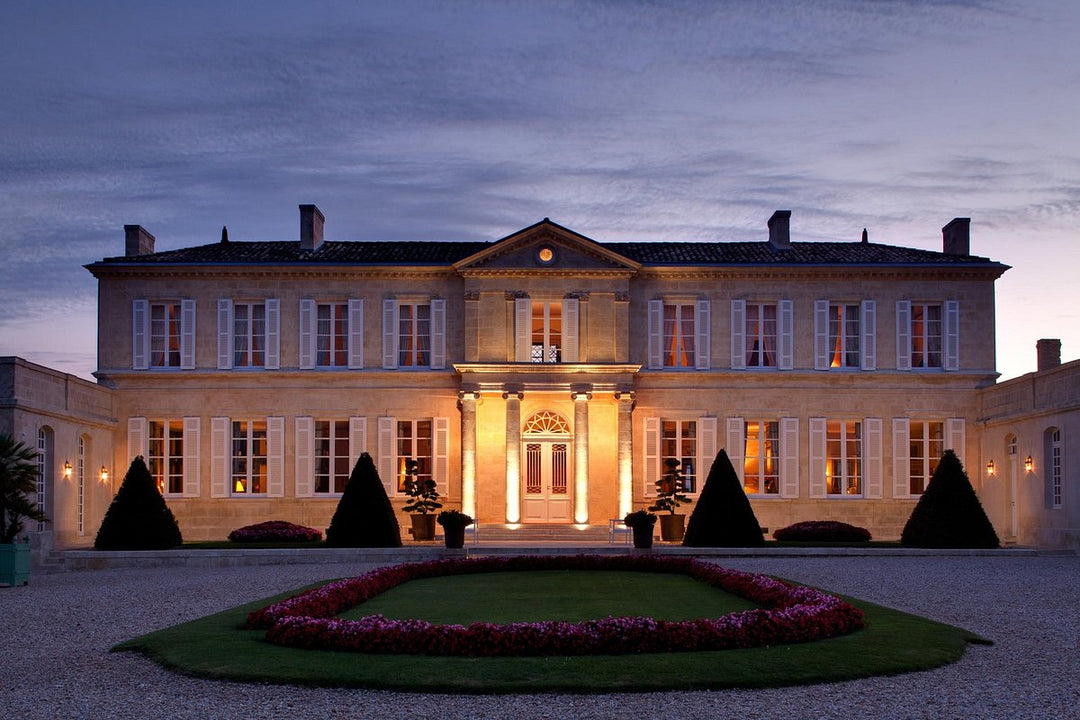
225, 334
786, 334
903, 334
192, 471
522, 330
275, 456
738, 338
219, 457
140, 334
438, 334
656, 334
356, 334
273, 334
955, 437
388, 454
440, 467
187, 334
736, 445
873, 479
138, 438
652, 456
901, 450
952, 335
305, 457
702, 326
821, 346
570, 330
868, 356
706, 449
818, 438
357, 439
390, 334
789, 457
307, 334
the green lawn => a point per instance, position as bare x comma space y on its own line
218, 646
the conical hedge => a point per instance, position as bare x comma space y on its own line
138, 518
364, 515
949, 514
722, 516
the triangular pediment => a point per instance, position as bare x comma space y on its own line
546, 246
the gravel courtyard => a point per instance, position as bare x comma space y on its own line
57, 634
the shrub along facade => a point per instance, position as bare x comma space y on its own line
545, 377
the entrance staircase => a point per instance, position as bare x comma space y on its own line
545, 534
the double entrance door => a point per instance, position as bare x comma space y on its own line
546, 481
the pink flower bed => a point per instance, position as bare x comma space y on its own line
274, 531
823, 531
790, 614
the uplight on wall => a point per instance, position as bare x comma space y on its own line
67, 469
1028, 464
990, 468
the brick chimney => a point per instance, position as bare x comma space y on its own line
311, 227
780, 230
137, 241
1049, 351
956, 237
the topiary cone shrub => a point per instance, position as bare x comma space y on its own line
949, 514
722, 516
364, 515
138, 518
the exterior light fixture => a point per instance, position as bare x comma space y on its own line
67, 469
1028, 464
990, 468
104, 474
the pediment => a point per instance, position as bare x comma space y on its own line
546, 246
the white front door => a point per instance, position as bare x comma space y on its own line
546, 483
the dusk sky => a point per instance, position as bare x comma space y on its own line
470, 120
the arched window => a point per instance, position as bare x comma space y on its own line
1052, 473
546, 422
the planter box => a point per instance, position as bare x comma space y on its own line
15, 563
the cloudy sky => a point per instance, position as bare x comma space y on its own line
622, 120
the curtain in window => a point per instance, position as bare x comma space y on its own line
686, 358
423, 335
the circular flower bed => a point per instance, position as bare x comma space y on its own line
823, 531
274, 531
790, 614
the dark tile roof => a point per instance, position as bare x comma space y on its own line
646, 253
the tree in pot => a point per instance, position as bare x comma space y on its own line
669, 496
453, 525
18, 479
423, 500
641, 523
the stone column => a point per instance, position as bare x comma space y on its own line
626, 402
581, 399
467, 405
513, 454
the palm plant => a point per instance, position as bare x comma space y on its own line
18, 480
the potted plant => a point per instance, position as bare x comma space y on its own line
18, 479
454, 524
423, 500
641, 523
669, 496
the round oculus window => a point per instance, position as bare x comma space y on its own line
546, 255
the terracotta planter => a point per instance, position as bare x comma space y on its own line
15, 563
643, 536
423, 527
672, 527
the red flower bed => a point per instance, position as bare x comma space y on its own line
274, 531
790, 614
822, 531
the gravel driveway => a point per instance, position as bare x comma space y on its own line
55, 660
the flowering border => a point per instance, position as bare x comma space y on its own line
791, 614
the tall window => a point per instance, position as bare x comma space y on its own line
679, 334
249, 334
927, 443
249, 453
844, 335
761, 459
414, 334
546, 332
760, 334
331, 456
678, 440
414, 443
843, 457
44, 448
926, 335
81, 486
332, 335
166, 455
1054, 468
165, 334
